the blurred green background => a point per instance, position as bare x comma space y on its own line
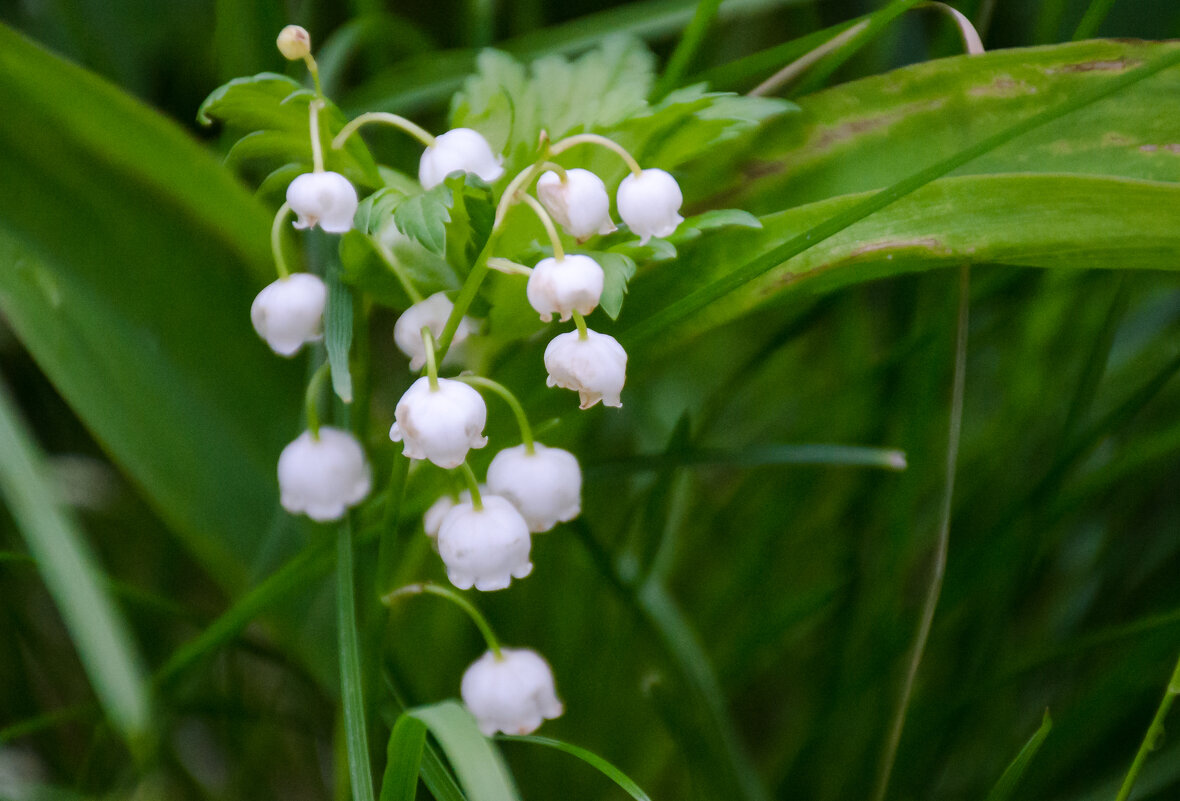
765, 656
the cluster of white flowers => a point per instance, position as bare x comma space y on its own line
483, 535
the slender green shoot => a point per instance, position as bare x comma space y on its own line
429, 588
276, 240
688, 46
396, 120
351, 684
522, 420
1155, 733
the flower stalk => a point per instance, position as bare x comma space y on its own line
396, 120
522, 420
429, 588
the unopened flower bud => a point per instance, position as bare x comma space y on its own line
545, 486
294, 42
326, 199
650, 204
485, 548
322, 477
290, 312
512, 694
595, 367
565, 286
440, 424
431, 313
458, 150
579, 203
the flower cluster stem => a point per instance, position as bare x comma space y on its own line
479, 271
547, 221
396, 120
431, 362
522, 420
276, 240
1154, 732
472, 485
397, 268
429, 588
602, 141
317, 150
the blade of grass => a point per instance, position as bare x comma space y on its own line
700, 298
889, 754
434, 772
403, 759
74, 579
1012, 774
686, 48
765, 455
590, 758
1093, 18
480, 768
351, 687
1096, 359
1154, 733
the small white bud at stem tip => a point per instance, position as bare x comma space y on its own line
294, 42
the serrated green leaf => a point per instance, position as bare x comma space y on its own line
618, 271
376, 210
424, 217
474, 758
403, 756
473, 210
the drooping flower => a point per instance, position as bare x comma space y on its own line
512, 694
563, 286
440, 424
458, 150
431, 313
650, 203
290, 312
595, 367
487, 547
580, 203
325, 199
322, 477
545, 486
432, 518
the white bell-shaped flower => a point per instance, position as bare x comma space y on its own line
512, 694
545, 486
458, 150
290, 312
325, 199
440, 424
431, 313
485, 548
650, 204
564, 286
322, 477
432, 518
580, 203
595, 367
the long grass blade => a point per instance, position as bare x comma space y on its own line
590, 758
72, 576
403, 758
351, 687
1154, 733
1006, 786
480, 768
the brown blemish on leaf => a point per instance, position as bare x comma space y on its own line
928, 243
1116, 139
1172, 147
760, 169
1119, 65
825, 137
1003, 86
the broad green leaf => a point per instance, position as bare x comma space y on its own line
590, 758
130, 259
871, 132
403, 756
1006, 786
1028, 220
474, 758
73, 577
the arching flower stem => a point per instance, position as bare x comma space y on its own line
276, 240
429, 588
547, 221
522, 420
312, 396
397, 268
580, 322
431, 363
472, 485
557, 168
317, 151
314, 70
397, 121
601, 141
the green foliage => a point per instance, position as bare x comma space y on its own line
474, 758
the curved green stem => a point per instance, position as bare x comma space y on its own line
472, 485
522, 420
580, 322
429, 588
514, 188
314, 69
547, 221
317, 150
479, 271
1154, 732
601, 141
557, 168
397, 121
311, 398
276, 240
397, 268
431, 363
